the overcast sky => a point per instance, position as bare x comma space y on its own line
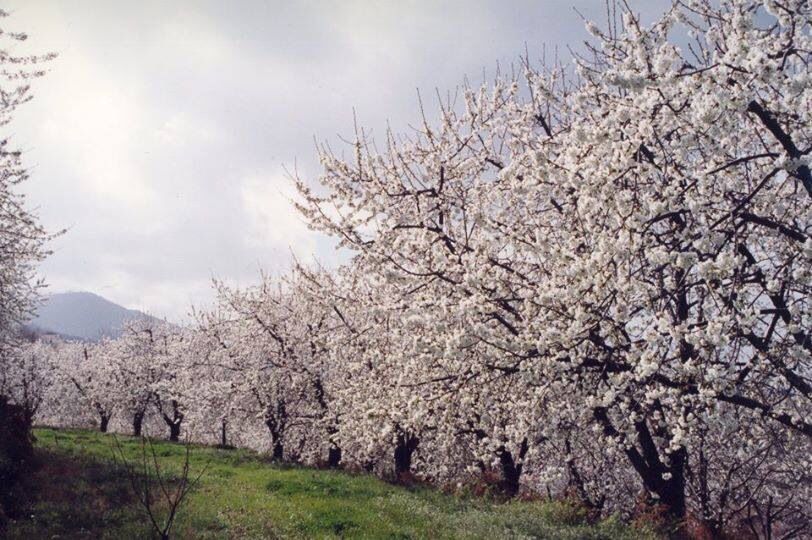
161, 134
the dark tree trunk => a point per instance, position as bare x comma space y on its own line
577, 481
174, 432
673, 493
29, 416
104, 421
276, 418
174, 421
406, 445
334, 452
223, 439
670, 491
511, 472
138, 423
278, 450
334, 457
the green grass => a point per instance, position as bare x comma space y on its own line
81, 493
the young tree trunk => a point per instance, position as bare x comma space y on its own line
223, 440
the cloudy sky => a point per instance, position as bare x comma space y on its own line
161, 134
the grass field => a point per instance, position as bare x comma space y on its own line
80, 492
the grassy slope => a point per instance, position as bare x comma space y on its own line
83, 495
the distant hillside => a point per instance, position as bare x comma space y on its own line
82, 315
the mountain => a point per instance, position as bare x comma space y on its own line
82, 315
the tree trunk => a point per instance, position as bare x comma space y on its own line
577, 481
29, 416
278, 450
104, 420
174, 422
223, 440
138, 422
673, 493
276, 418
174, 432
406, 445
511, 472
670, 491
334, 457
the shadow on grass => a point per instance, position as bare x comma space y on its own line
79, 497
